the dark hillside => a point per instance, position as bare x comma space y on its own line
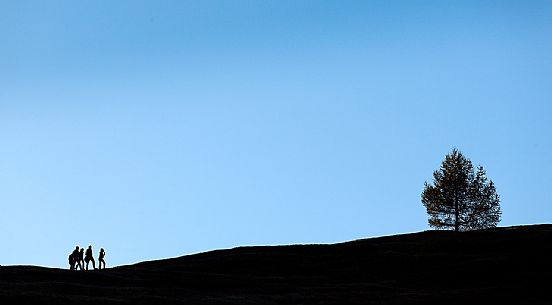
499, 266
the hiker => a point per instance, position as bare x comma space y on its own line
101, 259
71, 261
74, 259
88, 257
80, 259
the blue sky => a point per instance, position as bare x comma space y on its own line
161, 128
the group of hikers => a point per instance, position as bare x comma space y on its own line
78, 257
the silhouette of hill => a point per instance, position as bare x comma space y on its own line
498, 266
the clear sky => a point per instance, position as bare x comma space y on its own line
161, 128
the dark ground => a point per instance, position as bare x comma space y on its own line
499, 266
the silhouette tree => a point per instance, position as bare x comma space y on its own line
460, 199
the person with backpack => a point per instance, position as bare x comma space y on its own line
88, 257
74, 261
101, 259
71, 261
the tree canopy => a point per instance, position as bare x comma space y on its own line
460, 198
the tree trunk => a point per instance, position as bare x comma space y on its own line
456, 215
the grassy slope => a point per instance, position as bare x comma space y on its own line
500, 266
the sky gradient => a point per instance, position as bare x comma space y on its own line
161, 128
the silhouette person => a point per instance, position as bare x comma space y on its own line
88, 257
101, 259
71, 261
74, 259
80, 259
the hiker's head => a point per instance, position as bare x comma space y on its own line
77, 247
90, 247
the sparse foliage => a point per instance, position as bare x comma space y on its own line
460, 198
